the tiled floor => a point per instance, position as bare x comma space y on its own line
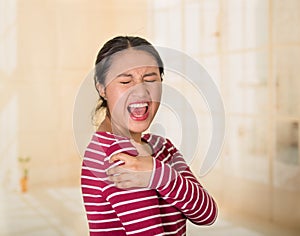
59, 212
47, 212
241, 226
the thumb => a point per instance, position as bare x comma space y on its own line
119, 157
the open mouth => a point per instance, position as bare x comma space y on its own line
138, 110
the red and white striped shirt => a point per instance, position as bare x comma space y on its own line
173, 195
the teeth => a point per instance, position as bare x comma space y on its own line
138, 105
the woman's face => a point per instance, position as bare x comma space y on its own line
133, 91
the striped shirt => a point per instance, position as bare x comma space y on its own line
173, 195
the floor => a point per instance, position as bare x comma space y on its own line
59, 212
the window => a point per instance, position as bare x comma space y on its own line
8, 40
253, 55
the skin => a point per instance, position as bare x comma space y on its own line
133, 77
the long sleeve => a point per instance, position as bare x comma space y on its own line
176, 184
137, 209
102, 219
113, 211
173, 196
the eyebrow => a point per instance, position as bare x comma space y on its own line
130, 75
124, 75
150, 74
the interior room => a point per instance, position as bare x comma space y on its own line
250, 49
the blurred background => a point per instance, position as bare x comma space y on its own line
251, 48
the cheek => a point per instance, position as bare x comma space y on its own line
155, 107
115, 99
155, 92
155, 97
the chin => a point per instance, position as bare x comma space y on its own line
138, 127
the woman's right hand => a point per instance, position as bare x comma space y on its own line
135, 172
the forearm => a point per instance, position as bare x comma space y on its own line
184, 192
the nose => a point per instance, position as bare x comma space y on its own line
140, 90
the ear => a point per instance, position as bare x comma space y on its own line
101, 90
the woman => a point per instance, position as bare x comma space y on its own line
135, 183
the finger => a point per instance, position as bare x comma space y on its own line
120, 157
115, 170
120, 177
127, 177
124, 184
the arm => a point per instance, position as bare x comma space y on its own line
176, 184
134, 211
172, 179
101, 217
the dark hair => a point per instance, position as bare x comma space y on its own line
118, 44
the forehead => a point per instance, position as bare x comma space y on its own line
131, 60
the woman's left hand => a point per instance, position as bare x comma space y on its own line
135, 172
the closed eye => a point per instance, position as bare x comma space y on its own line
125, 78
151, 77
125, 82
150, 81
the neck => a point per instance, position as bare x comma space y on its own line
106, 126
137, 137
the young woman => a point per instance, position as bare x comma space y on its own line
135, 183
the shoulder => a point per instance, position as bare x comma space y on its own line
107, 144
105, 139
99, 143
154, 138
158, 142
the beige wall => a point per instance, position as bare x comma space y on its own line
251, 48
55, 45
48, 47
